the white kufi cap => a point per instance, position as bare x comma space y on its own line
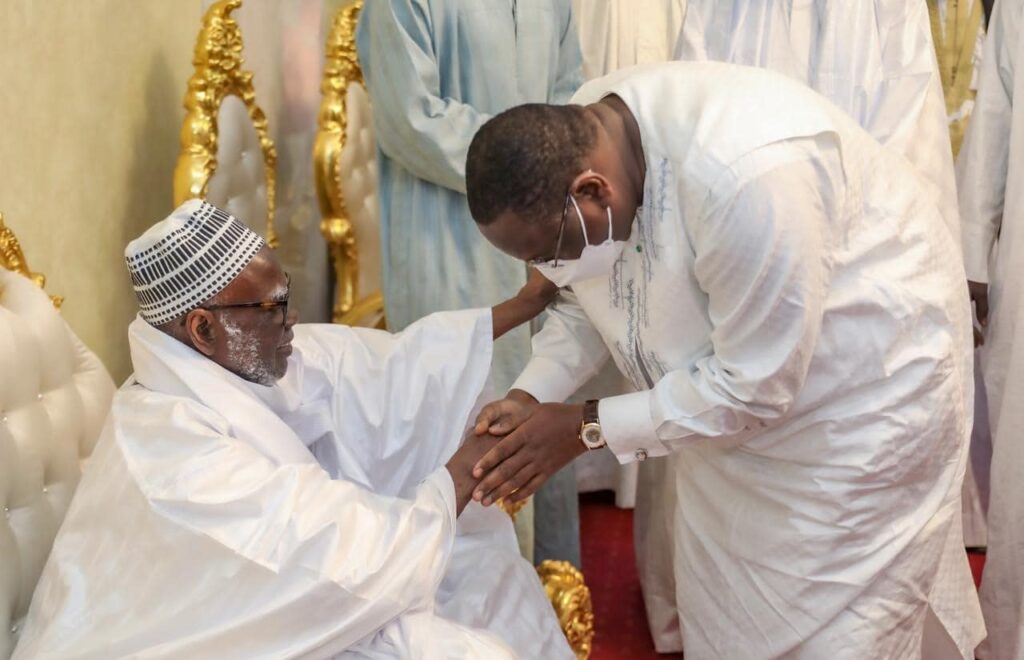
183, 261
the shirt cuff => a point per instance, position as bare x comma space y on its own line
978, 241
546, 380
628, 428
441, 481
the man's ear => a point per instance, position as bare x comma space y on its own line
202, 328
592, 185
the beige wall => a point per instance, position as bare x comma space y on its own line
90, 107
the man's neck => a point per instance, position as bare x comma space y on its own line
624, 132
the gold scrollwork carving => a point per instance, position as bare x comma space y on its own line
218, 73
13, 258
341, 68
570, 597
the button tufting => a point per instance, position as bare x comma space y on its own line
45, 489
14, 629
39, 396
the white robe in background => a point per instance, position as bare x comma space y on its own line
990, 175
204, 527
791, 309
615, 34
875, 59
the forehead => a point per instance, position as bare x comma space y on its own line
262, 279
524, 240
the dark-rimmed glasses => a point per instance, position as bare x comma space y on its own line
266, 305
561, 232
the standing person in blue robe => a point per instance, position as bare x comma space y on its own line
436, 70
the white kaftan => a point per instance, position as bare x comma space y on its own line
875, 59
793, 312
989, 174
615, 34
204, 527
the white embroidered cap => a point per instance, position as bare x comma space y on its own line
183, 261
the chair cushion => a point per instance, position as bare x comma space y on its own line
54, 398
239, 183
358, 163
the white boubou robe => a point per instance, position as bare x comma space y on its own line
204, 527
615, 34
990, 168
792, 310
875, 59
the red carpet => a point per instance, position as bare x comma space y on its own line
609, 566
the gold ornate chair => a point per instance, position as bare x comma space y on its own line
54, 398
226, 154
345, 162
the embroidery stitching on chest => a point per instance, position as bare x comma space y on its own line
631, 294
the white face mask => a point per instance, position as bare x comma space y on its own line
594, 261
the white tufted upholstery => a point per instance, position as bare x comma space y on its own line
54, 397
358, 163
239, 184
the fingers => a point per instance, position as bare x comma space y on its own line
508, 487
497, 455
979, 339
531, 487
490, 414
981, 309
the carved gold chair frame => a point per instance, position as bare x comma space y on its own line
12, 258
341, 69
219, 73
564, 584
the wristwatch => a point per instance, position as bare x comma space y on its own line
590, 429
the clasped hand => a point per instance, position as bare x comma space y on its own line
538, 440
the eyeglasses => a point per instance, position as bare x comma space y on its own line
561, 232
267, 305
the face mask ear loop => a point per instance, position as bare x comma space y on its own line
579, 215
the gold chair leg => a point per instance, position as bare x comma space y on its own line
570, 597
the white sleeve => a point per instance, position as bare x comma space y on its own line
761, 260
567, 352
983, 162
371, 557
402, 401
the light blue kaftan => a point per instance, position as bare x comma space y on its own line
437, 70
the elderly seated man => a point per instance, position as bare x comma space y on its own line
271, 490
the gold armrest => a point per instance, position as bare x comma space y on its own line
13, 258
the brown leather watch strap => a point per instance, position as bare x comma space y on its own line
590, 412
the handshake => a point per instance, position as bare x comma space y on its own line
516, 445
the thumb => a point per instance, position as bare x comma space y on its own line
489, 415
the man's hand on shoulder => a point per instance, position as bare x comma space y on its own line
536, 294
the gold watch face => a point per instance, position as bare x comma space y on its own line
592, 436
